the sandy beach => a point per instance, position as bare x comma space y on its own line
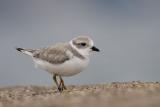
129, 94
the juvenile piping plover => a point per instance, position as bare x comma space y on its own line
63, 59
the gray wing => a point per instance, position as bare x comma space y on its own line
56, 54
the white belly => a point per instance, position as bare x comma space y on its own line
68, 68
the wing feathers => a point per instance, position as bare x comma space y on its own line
56, 54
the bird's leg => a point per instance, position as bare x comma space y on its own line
60, 87
55, 79
62, 82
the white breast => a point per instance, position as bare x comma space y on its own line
68, 68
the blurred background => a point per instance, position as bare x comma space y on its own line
126, 31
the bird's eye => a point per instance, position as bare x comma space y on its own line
83, 44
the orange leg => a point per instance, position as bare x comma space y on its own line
63, 85
55, 79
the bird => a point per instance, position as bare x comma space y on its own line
64, 58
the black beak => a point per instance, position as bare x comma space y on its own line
95, 49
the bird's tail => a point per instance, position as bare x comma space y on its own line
26, 51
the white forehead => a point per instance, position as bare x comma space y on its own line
85, 39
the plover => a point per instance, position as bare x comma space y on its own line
63, 59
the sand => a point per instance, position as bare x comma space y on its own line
130, 94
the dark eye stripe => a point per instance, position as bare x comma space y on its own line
83, 44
